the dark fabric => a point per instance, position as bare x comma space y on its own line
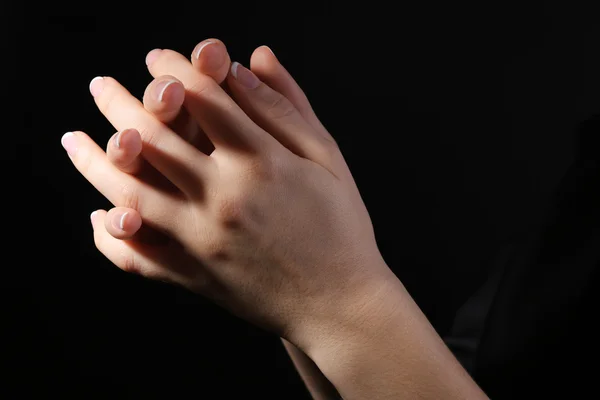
470, 321
540, 333
529, 331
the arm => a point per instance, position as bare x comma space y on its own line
288, 238
316, 383
382, 347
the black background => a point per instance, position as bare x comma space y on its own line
461, 134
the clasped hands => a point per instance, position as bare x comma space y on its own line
251, 197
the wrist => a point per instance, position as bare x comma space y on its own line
379, 342
358, 316
359, 321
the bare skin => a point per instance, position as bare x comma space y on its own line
269, 225
164, 99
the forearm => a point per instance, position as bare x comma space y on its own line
391, 351
317, 384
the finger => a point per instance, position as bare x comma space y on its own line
268, 69
164, 263
278, 116
124, 151
120, 188
177, 160
163, 98
226, 125
122, 223
210, 57
126, 223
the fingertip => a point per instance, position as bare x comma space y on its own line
211, 58
130, 222
266, 50
96, 216
129, 140
124, 150
152, 56
244, 76
201, 46
164, 98
96, 86
163, 89
264, 60
123, 223
92, 216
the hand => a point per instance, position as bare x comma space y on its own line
163, 98
270, 225
210, 57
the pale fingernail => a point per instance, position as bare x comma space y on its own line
159, 90
152, 56
268, 48
244, 76
119, 136
118, 221
69, 142
118, 139
96, 86
92, 216
203, 45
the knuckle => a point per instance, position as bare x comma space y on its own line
130, 197
229, 213
150, 137
280, 107
129, 263
216, 246
328, 149
261, 169
200, 87
330, 141
281, 166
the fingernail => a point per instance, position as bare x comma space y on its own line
244, 76
268, 48
118, 221
117, 139
203, 45
119, 136
69, 142
92, 216
152, 56
160, 88
96, 86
